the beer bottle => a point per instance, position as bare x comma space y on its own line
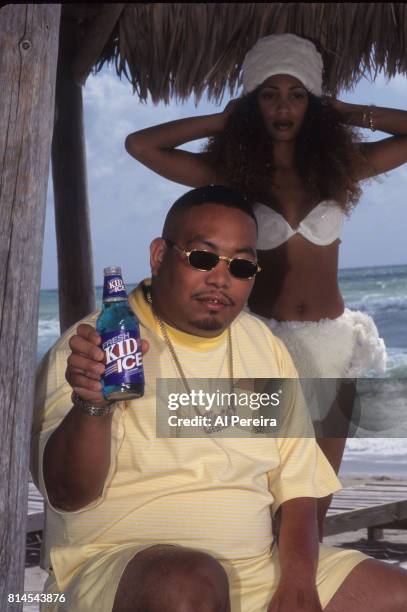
119, 329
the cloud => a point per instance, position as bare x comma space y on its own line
397, 84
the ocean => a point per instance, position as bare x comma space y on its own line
378, 291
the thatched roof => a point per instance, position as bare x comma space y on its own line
177, 49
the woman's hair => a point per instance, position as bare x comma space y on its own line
328, 153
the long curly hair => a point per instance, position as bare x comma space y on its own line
328, 153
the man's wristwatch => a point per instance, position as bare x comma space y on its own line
89, 408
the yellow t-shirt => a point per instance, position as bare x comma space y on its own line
214, 495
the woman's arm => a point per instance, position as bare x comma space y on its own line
386, 154
155, 147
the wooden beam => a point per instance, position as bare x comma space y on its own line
374, 534
75, 267
28, 58
372, 505
96, 37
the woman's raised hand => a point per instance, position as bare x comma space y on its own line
336, 104
157, 148
229, 108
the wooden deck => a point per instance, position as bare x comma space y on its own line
375, 505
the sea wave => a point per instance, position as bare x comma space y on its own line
376, 448
397, 363
375, 303
375, 273
48, 333
48, 328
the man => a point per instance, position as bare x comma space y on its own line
148, 524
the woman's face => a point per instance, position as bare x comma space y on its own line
283, 102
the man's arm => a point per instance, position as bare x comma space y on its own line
77, 460
77, 454
298, 552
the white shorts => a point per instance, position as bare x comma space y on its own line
252, 582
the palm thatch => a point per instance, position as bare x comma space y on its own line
173, 49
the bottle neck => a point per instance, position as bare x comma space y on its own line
106, 302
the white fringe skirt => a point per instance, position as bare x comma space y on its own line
331, 349
348, 346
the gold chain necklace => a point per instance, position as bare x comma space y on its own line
231, 409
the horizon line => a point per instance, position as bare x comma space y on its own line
339, 270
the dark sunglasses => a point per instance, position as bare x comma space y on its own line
203, 260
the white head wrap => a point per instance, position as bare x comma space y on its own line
283, 54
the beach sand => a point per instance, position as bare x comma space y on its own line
391, 549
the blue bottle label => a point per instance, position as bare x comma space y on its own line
124, 360
114, 288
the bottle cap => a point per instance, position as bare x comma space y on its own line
112, 270
114, 290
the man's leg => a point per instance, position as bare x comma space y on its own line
372, 586
173, 579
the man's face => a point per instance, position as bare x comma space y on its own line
203, 303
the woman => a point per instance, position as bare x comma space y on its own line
296, 156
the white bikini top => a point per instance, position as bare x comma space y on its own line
321, 226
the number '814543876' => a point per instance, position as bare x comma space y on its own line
35, 597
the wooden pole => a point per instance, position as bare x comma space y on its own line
97, 35
75, 266
28, 58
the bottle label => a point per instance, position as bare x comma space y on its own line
114, 288
124, 360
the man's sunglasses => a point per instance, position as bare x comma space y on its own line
203, 260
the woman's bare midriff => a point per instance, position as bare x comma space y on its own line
298, 282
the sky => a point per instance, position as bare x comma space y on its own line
128, 202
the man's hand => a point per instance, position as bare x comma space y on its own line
86, 364
77, 454
293, 597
